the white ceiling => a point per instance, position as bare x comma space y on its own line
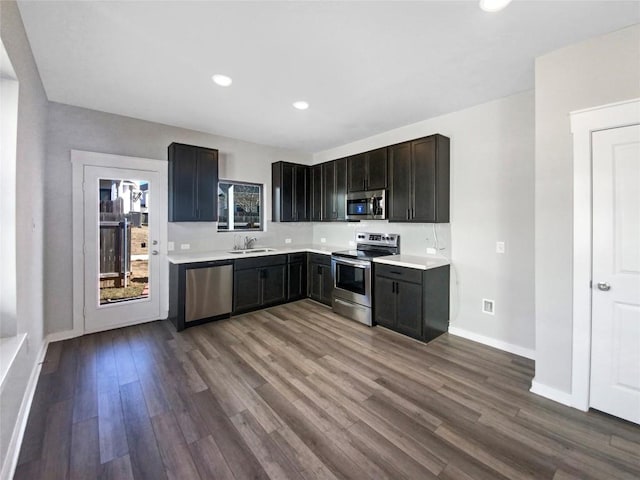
365, 67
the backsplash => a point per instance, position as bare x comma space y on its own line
414, 238
204, 237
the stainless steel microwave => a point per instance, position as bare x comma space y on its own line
366, 205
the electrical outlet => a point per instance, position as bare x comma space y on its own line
431, 251
185, 246
287, 240
323, 240
488, 306
499, 247
171, 246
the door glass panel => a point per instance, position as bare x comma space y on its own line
123, 252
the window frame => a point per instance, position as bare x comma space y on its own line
262, 222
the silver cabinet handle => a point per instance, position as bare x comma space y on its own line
604, 286
154, 252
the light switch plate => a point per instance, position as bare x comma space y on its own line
323, 240
431, 251
287, 240
171, 246
499, 247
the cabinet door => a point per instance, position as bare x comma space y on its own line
329, 211
315, 281
357, 172
399, 182
377, 169
182, 183
327, 285
385, 302
246, 289
316, 193
207, 185
297, 281
341, 188
286, 193
301, 193
423, 180
274, 287
409, 309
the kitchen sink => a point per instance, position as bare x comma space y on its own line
252, 250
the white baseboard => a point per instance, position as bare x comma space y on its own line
552, 393
13, 452
66, 335
492, 342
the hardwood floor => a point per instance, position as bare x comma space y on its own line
298, 392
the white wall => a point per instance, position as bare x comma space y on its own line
82, 129
492, 198
598, 71
30, 160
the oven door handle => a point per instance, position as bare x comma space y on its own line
353, 263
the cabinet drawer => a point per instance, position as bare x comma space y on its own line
258, 262
297, 257
320, 259
401, 273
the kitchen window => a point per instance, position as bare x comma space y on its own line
239, 206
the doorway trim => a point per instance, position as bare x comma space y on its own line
583, 124
80, 159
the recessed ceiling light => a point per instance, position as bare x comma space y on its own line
493, 5
222, 80
301, 105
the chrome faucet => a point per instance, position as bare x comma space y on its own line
249, 241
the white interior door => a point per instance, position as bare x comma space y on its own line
122, 281
615, 345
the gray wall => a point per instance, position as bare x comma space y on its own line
492, 185
82, 129
30, 161
598, 71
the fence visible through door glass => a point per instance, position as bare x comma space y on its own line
124, 249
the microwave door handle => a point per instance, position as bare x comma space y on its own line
372, 205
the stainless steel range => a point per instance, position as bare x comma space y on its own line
351, 272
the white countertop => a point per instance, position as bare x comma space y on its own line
413, 261
192, 257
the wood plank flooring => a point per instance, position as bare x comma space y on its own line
297, 392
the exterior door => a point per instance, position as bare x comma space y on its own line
121, 247
615, 344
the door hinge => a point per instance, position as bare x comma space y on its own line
590, 283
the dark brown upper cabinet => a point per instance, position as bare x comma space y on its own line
419, 181
290, 192
367, 171
193, 183
334, 190
316, 193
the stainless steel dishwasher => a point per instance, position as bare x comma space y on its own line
208, 292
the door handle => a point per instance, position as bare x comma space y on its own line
397, 288
154, 252
393, 287
604, 286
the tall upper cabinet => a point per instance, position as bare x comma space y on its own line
419, 180
193, 183
334, 190
290, 193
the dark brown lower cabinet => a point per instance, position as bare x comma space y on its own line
320, 278
259, 282
411, 301
297, 276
